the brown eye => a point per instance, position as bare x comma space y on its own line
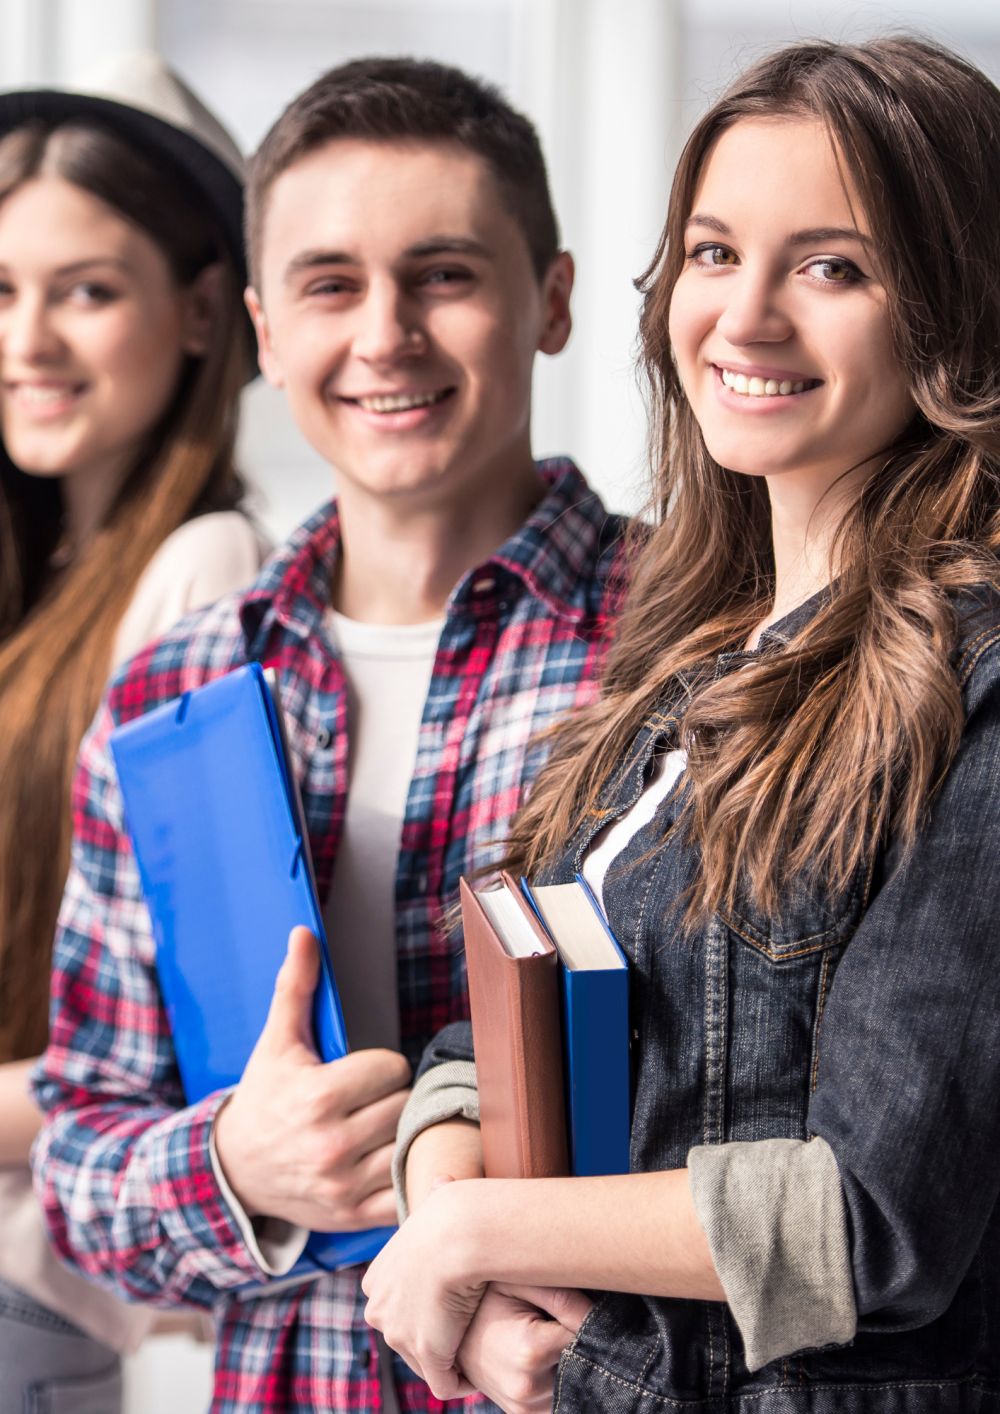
835, 271
713, 255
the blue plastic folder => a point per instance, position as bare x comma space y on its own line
216, 824
595, 1021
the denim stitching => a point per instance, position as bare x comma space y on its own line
772, 953
965, 666
653, 1351
824, 978
769, 1393
716, 1007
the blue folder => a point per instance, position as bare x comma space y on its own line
216, 825
597, 1072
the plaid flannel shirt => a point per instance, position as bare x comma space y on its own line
123, 1167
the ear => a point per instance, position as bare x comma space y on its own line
202, 302
266, 356
557, 286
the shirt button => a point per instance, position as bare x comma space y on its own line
324, 738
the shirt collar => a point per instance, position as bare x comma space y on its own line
783, 630
552, 554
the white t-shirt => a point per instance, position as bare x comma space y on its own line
609, 842
388, 669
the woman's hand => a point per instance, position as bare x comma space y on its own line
511, 1350
423, 1288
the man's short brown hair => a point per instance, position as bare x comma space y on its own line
399, 100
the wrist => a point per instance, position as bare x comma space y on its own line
226, 1147
482, 1227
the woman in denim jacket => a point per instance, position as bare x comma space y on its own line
788, 802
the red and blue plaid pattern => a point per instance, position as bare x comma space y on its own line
123, 1169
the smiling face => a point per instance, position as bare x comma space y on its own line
399, 310
93, 334
779, 321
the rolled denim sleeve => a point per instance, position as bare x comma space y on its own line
123, 1168
908, 1083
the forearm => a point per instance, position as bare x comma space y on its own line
452, 1149
21, 1117
633, 1232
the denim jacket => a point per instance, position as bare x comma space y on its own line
868, 1017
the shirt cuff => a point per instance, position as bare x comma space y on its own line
448, 1091
274, 1244
776, 1222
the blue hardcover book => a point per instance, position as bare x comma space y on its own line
595, 1025
216, 824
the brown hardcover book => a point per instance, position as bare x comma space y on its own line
517, 1035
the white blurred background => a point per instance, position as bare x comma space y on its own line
612, 85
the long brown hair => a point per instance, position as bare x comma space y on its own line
798, 761
57, 629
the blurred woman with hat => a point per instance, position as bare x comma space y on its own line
123, 349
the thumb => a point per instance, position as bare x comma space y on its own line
289, 1019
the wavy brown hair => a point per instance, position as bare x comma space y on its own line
57, 628
797, 759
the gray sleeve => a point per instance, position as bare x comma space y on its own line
776, 1221
448, 1091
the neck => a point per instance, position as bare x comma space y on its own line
400, 561
88, 494
804, 523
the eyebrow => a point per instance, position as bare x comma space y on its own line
76, 266
433, 245
808, 237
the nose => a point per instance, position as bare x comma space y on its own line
27, 330
754, 311
389, 326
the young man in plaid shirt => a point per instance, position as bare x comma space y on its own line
405, 271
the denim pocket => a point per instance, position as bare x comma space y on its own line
811, 917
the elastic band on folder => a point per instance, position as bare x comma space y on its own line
182, 709
296, 860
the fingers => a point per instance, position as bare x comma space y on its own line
363, 1077
368, 1129
512, 1349
564, 1304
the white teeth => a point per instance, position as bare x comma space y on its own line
398, 402
756, 387
40, 394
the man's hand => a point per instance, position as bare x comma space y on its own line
512, 1348
304, 1140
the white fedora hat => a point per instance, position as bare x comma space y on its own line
143, 99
